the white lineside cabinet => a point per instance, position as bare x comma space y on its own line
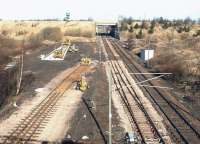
146, 54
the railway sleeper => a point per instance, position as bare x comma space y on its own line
129, 57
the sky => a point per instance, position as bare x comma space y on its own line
99, 9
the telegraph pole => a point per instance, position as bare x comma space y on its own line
148, 52
21, 68
110, 106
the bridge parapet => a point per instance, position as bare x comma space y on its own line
107, 28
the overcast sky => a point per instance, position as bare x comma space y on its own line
98, 9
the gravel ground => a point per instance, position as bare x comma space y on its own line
82, 124
192, 105
25, 108
43, 72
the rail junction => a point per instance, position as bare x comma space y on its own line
179, 122
155, 117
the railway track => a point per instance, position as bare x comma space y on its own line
182, 131
141, 121
31, 126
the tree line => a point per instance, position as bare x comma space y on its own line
181, 25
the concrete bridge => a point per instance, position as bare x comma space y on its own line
108, 28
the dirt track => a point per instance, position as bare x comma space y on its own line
43, 71
81, 123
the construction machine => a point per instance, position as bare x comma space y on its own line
73, 49
58, 53
85, 61
62, 50
67, 42
71, 46
82, 84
